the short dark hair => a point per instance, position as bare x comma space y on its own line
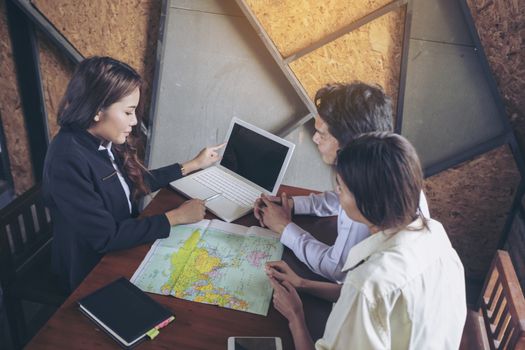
353, 109
383, 172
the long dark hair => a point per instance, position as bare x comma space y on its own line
383, 172
97, 83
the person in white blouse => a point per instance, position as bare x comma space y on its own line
405, 286
345, 111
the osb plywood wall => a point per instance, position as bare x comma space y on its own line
295, 24
11, 112
56, 72
124, 29
472, 201
372, 53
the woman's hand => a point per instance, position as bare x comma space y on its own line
274, 216
206, 157
189, 212
280, 271
287, 301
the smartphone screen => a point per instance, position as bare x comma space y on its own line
255, 344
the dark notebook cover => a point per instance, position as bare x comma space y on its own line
124, 309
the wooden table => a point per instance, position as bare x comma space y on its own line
197, 326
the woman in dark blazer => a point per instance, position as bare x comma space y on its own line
93, 178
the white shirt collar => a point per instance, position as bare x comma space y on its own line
108, 147
379, 241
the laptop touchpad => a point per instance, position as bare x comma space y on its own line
192, 189
201, 192
228, 209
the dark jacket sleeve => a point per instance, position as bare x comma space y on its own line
76, 197
161, 177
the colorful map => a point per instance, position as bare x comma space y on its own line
214, 263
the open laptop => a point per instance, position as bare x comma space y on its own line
253, 162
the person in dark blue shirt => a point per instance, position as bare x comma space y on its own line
93, 178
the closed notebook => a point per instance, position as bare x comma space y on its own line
125, 312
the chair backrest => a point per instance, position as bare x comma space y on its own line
503, 305
25, 229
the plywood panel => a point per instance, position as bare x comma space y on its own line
11, 112
295, 24
473, 201
56, 71
371, 53
124, 29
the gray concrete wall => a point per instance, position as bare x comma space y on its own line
215, 67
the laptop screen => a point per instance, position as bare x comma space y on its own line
254, 156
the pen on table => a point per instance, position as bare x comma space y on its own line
152, 333
212, 197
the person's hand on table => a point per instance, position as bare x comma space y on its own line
272, 215
259, 204
287, 301
188, 212
280, 271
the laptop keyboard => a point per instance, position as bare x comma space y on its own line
229, 186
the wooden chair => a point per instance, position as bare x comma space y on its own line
500, 322
25, 259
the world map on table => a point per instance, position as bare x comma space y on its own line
210, 265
